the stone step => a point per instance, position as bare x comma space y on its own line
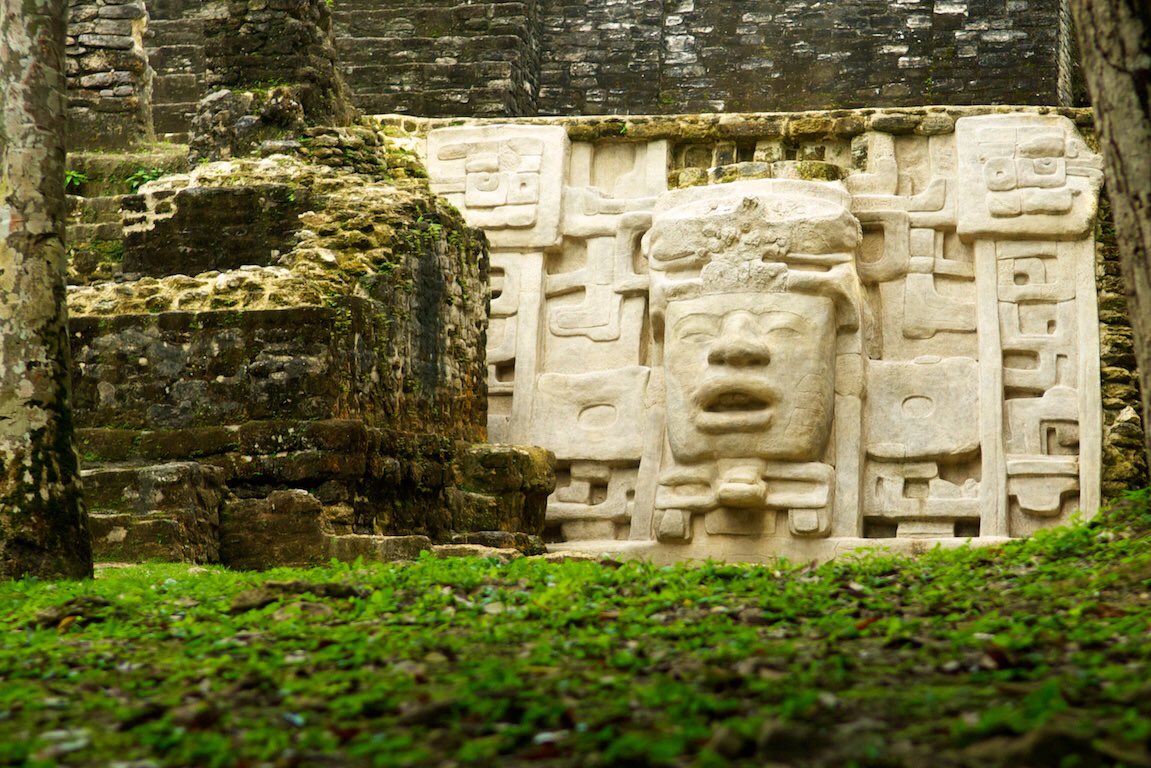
426, 49
467, 20
177, 88
481, 103
176, 10
179, 136
176, 59
156, 512
173, 119
94, 209
105, 230
174, 32
108, 172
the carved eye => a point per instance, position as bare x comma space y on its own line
697, 337
696, 329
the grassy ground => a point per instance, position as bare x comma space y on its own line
1033, 654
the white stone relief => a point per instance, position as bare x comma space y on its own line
1027, 176
779, 366
508, 178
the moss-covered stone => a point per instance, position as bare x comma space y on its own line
165, 511
286, 528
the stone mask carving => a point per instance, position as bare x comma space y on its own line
751, 284
749, 374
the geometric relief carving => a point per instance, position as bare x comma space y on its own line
923, 409
503, 336
510, 349
505, 296
610, 236
1025, 175
507, 179
593, 500
1046, 425
1041, 488
922, 476
1042, 444
1038, 341
783, 366
1034, 271
591, 415
912, 499
928, 310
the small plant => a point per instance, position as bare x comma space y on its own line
74, 180
142, 176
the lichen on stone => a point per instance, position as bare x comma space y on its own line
356, 227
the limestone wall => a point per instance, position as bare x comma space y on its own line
109, 79
262, 43
950, 251
138, 68
441, 57
568, 57
653, 57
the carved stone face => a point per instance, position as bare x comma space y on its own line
750, 375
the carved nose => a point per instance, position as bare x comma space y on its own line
739, 344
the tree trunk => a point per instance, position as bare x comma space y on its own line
43, 523
1115, 46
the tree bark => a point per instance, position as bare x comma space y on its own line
1115, 47
43, 523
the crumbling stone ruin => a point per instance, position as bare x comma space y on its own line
726, 335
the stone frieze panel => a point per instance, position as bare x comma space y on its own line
506, 179
784, 365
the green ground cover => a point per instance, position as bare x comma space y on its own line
1035, 653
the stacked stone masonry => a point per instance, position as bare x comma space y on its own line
659, 287
175, 44
495, 58
684, 56
108, 78
309, 386
441, 57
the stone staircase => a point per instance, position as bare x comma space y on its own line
437, 57
94, 232
176, 53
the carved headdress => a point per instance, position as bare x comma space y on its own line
764, 236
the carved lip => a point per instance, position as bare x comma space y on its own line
734, 405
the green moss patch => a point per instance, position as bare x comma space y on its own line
1032, 653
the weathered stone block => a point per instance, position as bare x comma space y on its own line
160, 512
485, 468
524, 542
256, 222
285, 529
385, 549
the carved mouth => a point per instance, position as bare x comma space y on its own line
734, 407
735, 402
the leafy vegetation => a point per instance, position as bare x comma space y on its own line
1032, 653
74, 181
142, 176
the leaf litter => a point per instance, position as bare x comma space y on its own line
1032, 653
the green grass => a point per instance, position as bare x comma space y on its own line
1036, 653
